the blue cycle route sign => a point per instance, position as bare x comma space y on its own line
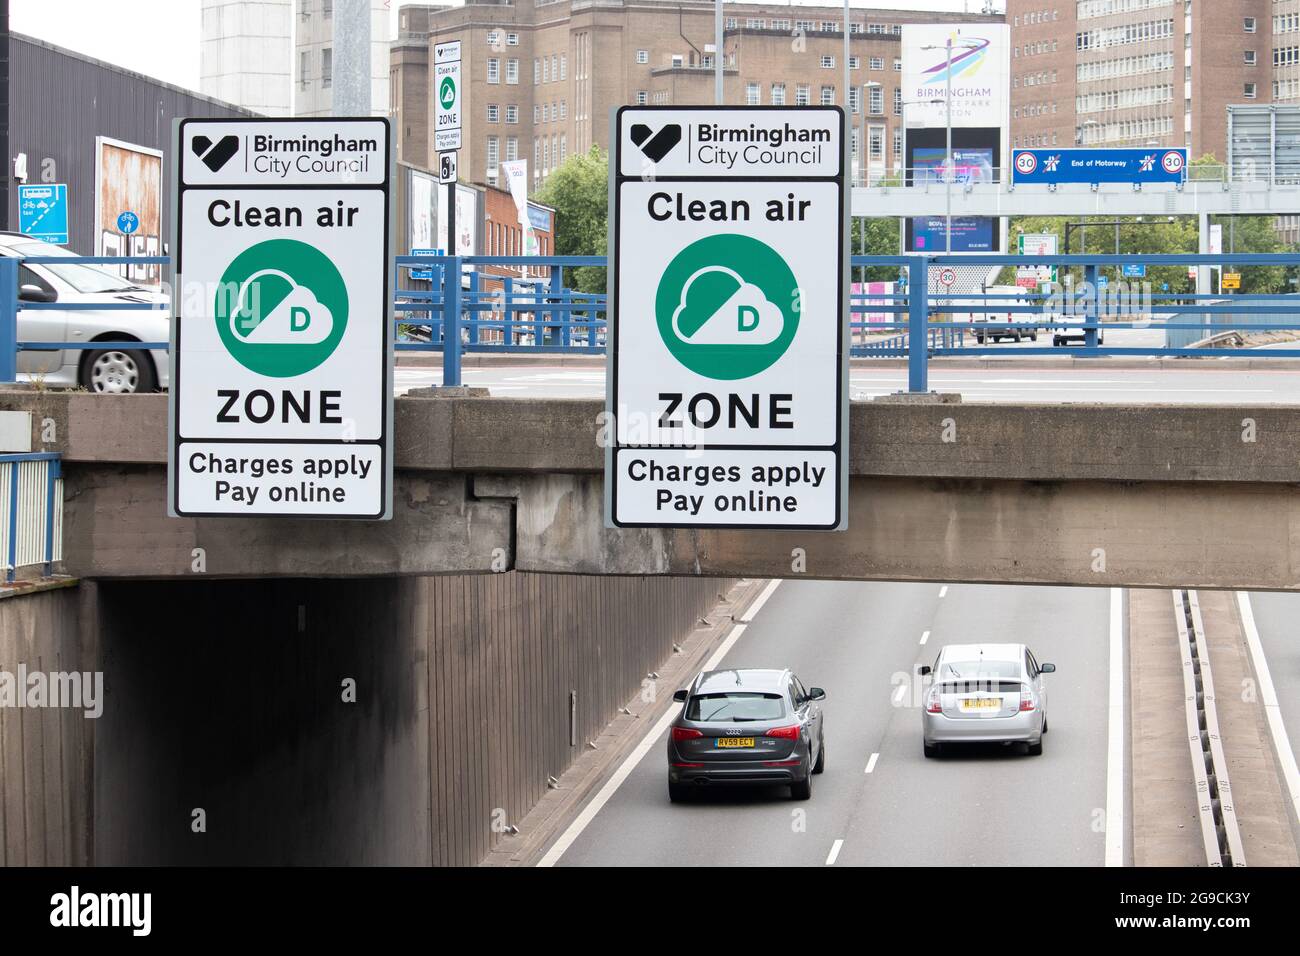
127, 223
43, 212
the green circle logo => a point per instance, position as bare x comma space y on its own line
727, 306
282, 308
447, 92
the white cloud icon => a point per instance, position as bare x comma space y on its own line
297, 319
747, 317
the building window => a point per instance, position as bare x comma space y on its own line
751, 94
876, 63
555, 67
512, 39
1248, 57
876, 143
875, 100
755, 24
828, 62
855, 99
304, 68
512, 148
537, 114
546, 70
493, 70
828, 96
564, 109
854, 62
730, 24
493, 113
326, 67
778, 94
493, 38
493, 153
898, 143
780, 24
546, 113
802, 94
641, 97
830, 26
512, 114
1248, 91
876, 28
643, 56
512, 70
564, 146
898, 101
898, 65
564, 66
537, 71
1248, 24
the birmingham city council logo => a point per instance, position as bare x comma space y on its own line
282, 308
727, 306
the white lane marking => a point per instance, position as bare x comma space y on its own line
925, 636
1268, 696
943, 591
759, 601
635, 757
871, 764
835, 852
898, 694
1115, 786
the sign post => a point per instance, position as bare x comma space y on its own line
281, 394
446, 129
728, 366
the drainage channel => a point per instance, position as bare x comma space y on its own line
1218, 817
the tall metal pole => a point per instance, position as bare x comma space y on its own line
846, 54
717, 53
351, 45
947, 190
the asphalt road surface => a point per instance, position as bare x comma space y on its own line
1277, 618
988, 805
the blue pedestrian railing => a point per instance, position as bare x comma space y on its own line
950, 305
31, 512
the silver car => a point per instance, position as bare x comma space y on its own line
985, 693
99, 370
750, 727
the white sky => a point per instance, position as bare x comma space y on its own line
160, 38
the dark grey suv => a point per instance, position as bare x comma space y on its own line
749, 727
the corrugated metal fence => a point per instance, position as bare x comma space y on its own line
31, 512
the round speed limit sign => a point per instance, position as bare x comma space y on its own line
947, 277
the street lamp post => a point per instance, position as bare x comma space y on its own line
717, 52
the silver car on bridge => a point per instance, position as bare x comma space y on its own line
985, 693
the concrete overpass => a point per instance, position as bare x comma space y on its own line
1105, 495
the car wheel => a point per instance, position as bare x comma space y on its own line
1033, 336
931, 750
1056, 341
979, 339
802, 789
820, 765
1017, 338
117, 371
678, 793
1035, 750
1044, 724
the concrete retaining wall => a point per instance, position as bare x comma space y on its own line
46, 753
227, 696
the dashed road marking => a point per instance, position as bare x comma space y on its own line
871, 764
835, 852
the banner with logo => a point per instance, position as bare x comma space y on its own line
980, 69
516, 173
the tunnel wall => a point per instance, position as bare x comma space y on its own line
226, 696
46, 752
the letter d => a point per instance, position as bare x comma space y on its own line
743, 313
299, 319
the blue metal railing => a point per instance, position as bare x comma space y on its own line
31, 511
520, 304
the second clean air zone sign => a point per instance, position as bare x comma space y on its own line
727, 372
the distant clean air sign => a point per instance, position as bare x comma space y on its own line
727, 368
281, 350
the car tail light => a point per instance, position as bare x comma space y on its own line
685, 733
1027, 701
781, 763
932, 704
688, 765
785, 733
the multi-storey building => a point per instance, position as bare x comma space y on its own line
244, 54
539, 77
313, 80
1146, 72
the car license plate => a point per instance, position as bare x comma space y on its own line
735, 741
982, 703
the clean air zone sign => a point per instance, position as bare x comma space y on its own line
281, 342
727, 379
447, 96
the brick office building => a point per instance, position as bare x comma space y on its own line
540, 76
1146, 72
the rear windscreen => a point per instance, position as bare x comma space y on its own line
735, 705
978, 670
980, 687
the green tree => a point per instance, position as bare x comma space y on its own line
578, 190
875, 237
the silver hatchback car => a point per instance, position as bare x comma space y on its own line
750, 727
985, 693
98, 370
